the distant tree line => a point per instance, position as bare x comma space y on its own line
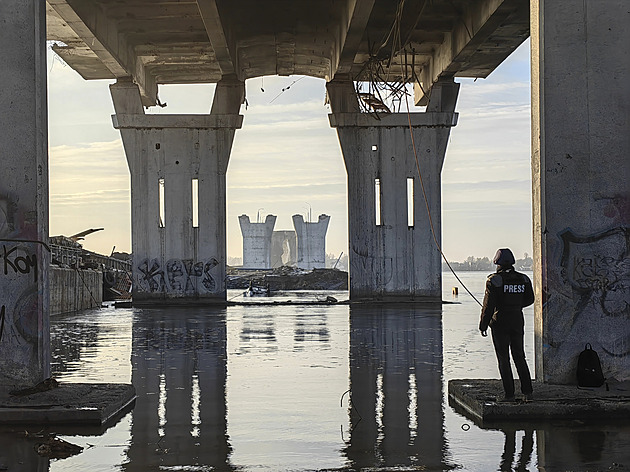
485, 264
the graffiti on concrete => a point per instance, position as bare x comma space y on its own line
22, 321
22, 316
597, 268
19, 274
178, 276
17, 263
2, 315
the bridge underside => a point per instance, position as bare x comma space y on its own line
201, 41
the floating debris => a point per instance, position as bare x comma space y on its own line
55, 448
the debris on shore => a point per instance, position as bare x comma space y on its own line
287, 278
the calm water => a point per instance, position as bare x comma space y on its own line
264, 388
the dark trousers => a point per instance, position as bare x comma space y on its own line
511, 340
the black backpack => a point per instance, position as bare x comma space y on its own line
589, 369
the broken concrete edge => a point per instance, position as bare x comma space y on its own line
94, 404
479, 400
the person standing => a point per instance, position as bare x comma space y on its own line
507, 293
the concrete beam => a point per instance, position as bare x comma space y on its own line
72, 19
90, 23
358, 12
73, 50
24, 253
219, 36
463, 42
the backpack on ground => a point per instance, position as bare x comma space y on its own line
589, 369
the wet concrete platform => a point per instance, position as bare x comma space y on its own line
69, 403
479, 400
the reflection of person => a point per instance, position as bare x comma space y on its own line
509, 450
507, 292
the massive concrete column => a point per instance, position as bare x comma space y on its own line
311, 241
24, 257
392, 250
581, 184
257, 242
178, 165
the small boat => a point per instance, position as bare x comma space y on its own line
256, 291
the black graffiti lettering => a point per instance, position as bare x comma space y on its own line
21, 264
2, 315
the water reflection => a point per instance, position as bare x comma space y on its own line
583, 446
509, 451
396, 388
258, 328
179, 372
259, 388
310, 327
68, 340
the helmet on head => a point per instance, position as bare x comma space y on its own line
504, 257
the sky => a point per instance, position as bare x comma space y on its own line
286, 160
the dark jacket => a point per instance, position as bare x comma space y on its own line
507, 293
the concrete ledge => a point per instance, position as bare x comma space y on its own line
393, 120
77, 404
478, 399
122, 121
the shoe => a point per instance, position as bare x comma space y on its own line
511, 399
528, 397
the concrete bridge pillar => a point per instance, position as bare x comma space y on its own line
24, 254
311, 241
392, 253
178, 165
581, 185
257, 242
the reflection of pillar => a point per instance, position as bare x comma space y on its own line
310, 326
178, 375
179, 372
396, 387
581, 190
392, 249
257, 242
258, 329
178, 165
311, 242
24, 329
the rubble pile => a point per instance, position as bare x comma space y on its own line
288, 278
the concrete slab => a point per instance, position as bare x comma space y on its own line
69, 403
478, 399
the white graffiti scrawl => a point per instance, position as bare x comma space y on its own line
177, 276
